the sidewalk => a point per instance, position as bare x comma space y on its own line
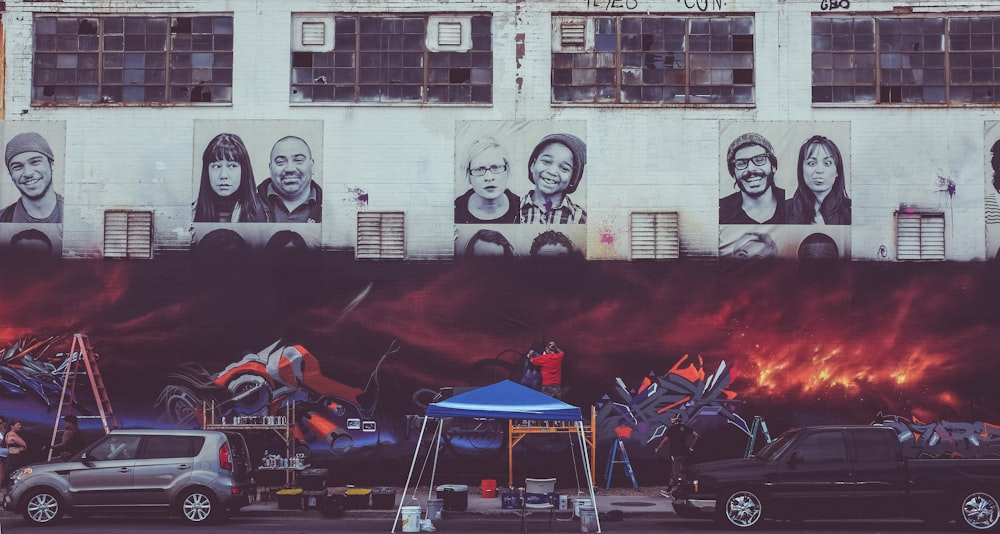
643, 501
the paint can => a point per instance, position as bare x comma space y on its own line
411, 518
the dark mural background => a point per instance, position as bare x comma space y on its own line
794, 343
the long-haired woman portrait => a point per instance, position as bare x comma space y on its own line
821, 196
228, 192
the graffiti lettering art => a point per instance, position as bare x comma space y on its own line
830, 5
644, 414
702, 5
614, 4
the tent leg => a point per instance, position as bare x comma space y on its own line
586, 463
413, 464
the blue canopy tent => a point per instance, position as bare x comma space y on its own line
503, 400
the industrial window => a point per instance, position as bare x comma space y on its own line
919, 236
95, 60
653, 60
128, 234
908, 60
381, 236
380, 59
655, 236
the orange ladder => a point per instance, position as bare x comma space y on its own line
81, 351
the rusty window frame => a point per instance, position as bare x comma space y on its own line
143, 60
383, 59
937, 60
657, 61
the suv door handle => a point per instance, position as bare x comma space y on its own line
183, 466
123, 469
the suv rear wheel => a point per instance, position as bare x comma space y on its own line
198, 506
42, 507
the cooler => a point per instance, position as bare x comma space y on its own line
384, 498
456, 497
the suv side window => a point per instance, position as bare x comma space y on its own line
824, 448
172, 446
872, 446
115, 448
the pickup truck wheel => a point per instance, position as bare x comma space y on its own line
980, 511
741, 509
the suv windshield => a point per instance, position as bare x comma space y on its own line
775, 448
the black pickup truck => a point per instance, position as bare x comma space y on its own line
841, 472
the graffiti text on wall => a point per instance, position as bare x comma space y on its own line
830, 5
700, 5
614, 4
944, 439
685, 389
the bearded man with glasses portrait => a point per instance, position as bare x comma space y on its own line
752, 164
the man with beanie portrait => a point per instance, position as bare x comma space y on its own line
555, 168
29, 161
752, 165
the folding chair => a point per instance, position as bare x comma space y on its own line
536, 497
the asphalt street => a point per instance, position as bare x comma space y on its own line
312, 522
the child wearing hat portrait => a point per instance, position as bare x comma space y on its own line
555, 168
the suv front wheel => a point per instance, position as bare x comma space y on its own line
42, 507
199, 506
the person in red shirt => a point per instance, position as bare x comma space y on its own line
550, 364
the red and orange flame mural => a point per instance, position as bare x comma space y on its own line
801, 344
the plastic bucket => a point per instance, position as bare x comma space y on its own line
411, 519
489, 488
580, 503
434, 507
588, 519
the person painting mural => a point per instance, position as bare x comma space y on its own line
550, 362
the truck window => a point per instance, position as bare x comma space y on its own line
824, 448
873, 446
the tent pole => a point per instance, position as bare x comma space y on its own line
586, 466
413, 464
437, 451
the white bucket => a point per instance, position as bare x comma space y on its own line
411, 519
580, 503
588, 519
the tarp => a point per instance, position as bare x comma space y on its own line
505, 400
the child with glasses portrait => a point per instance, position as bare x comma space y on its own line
487, 171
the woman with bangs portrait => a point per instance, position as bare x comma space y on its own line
228, 192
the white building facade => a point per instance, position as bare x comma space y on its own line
388, 95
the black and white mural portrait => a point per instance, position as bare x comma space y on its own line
784, 190
520, 188
257, 182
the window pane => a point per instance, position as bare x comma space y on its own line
90, 58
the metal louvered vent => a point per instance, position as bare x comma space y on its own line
450, 34
920, 236
128, 234
655, 236
573, 34
381, 236
313, 33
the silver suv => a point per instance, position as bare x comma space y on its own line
200, 474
